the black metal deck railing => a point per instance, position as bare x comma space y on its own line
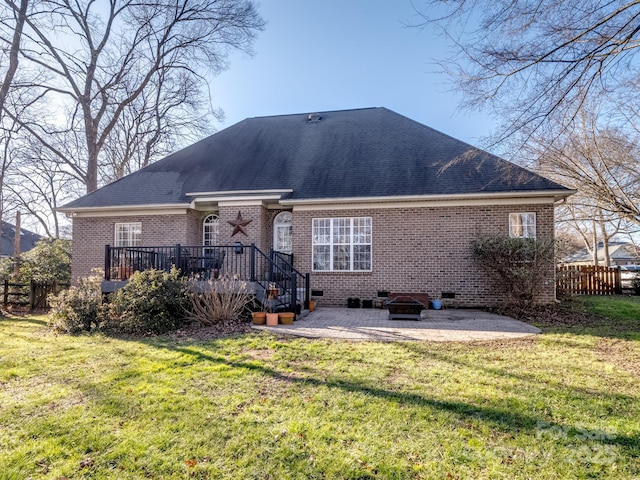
273, 274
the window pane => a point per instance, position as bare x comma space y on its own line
362, 257
321, 231
321, 257
361, 230
210, 230
283, 239
341, 230
342, 244
522, 225
128, 234
341, 257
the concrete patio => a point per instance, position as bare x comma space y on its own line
452, 325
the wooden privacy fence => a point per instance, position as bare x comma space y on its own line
32, 295
588, 280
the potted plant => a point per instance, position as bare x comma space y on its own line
436, 303
268, 303
272, 319
124, 270
286, 318
273, 291
259, 318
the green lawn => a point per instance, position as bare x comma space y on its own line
561, 405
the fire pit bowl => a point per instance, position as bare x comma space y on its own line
404, 308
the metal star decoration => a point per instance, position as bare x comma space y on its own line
239, 224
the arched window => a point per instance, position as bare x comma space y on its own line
210, 228
283, 233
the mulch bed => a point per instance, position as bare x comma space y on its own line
195, 332
556, 315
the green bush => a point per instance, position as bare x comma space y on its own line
519, 268
48, 261
153, 301
78, 309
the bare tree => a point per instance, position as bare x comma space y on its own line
37, 187
603, 165
100, 63
11, 27
150, 127
533, 62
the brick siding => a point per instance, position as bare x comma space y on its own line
421, 249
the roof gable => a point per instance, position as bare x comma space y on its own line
370, 152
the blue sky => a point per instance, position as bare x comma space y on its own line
342, 54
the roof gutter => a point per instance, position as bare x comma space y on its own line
111, 209
557, 195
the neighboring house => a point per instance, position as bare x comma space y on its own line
620, 253
365, 200
28, 239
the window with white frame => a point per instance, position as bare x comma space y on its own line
210, 230
128, 234
342, 244
522, 225
283, 233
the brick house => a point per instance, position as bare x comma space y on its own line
364, 200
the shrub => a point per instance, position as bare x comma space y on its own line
519, 268
154, 301
48, 261
78, 309
223, 300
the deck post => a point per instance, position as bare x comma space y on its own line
307, 289
107, 262
294, 293
252, 263
177, 257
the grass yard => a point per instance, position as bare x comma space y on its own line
565, 404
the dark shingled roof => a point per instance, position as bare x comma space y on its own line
371, 152
28, 239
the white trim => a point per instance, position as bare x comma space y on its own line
490, 198
423, 204
521, 217
118, 225
122, 212
239, 192
273, 201
215, 226
351, 245
277, 224
240, 202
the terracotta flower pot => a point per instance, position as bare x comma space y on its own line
272, 319
312, 305
286, 318
259, 318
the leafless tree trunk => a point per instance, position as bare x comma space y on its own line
16, 246
12, 49
100, 64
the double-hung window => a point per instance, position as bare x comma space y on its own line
522, 225
128, 234
342, 244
